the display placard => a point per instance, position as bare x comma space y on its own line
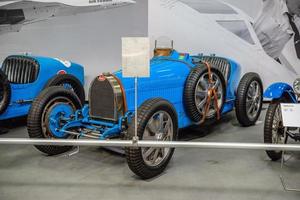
290, 114
136, 56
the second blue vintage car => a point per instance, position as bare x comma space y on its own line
23, 77
182, 91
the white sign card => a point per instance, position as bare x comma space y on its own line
136, 56
290, 114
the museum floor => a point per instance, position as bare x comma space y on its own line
96, 173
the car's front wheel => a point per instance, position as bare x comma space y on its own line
249, 99
274, 130
48, 113
157, 121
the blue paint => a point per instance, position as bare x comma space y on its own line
49, 67
278, 90
56, 114
167, 80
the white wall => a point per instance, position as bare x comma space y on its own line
251, 7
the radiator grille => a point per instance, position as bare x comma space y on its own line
219, 63
106, 98
20, 70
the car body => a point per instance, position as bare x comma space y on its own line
280, 90
180, 86
274, 130
24, 77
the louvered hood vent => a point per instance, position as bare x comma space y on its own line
219, 63
20, 70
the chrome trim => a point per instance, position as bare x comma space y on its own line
143, 143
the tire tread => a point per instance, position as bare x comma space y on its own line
133, 155
240, 106
35, 113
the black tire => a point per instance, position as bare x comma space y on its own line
189, 91
241, 99
76, 85
35, 115
268, 126
5, 92
134, 155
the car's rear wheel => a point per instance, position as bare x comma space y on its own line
249, 99
157, 121
5, 92
197, 90
49, 112
274, 130
69, 82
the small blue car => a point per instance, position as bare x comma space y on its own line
182, 91
274, 131
23, 77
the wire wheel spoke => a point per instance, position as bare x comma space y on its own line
161, 121
251, 107
216, 84
203, 83
147, 152
152, 127
201, 94
167, 127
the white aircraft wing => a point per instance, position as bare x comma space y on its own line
208, 26
15, 13
19, 4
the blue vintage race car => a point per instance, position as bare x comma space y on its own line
23, 77
182, 91
274, 131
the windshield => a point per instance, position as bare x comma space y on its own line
237, 27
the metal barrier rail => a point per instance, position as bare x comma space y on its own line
143, 143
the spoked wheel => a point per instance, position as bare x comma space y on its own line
159, 127
274, 130
49, 113
201, 94
197, 90
249, 99
157, 121
253, 100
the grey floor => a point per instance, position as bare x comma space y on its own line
96, 173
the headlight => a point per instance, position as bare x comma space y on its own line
296, 85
